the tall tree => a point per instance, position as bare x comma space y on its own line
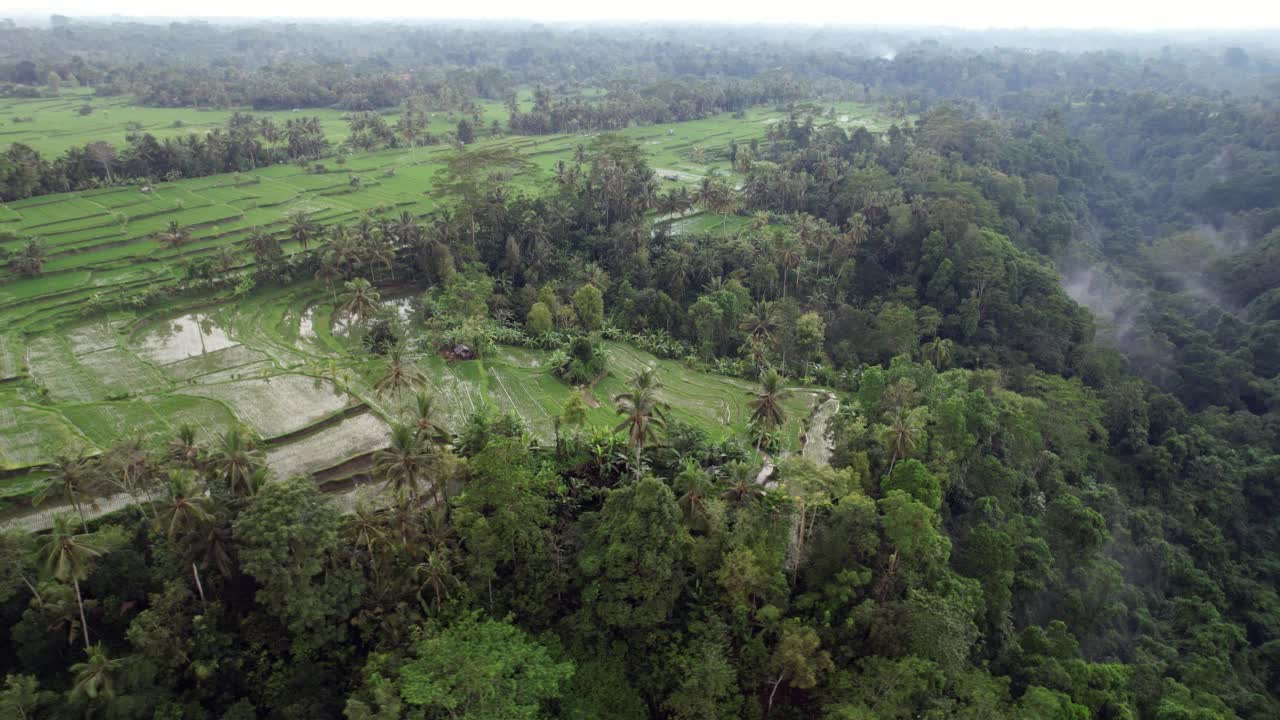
477, 669
767, 413
184, 511
404, 463
67, 557
237, 462
645, 414
97, 676
302, 229
73, 477
401, 374
360, 301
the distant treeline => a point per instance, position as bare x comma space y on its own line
246, 143
274, 66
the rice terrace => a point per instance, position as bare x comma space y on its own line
113, 340
547, 368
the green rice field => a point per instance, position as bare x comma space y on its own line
55, 124
75, 378
313, 406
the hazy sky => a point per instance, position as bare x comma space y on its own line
1123, 14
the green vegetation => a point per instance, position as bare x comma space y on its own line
689, 374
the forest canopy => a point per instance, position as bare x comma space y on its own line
1035, 318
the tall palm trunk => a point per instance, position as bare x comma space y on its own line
84, 623
84, 524
195, 572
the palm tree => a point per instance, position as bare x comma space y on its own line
366, 531
270, 132
789, 255
767, 412
437, 572
66, 556
403, 464
174, 236
186, 509
938, 352
360, 299
97, 675
424, 422
212, 545
399, 375
185, 450
761, 324
405, 229
302, 229
743, 487
263, 245
237, 462
73, 478
695, 485
644, 412
646, 379
902, 431
856, 230
722, 202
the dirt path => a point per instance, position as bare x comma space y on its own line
762, 477
818, 449
816, 445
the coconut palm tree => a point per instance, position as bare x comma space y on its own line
766, 405
213, 546
405, 229
360, 300
264, 246
184, 510
237, 462
185, 449
645, 414
743, 487
366, 531
174, 236
403, 464
424, 421
723, 203
788, 254
302, 229
695, 485
761, 323
73, 477
97, 676
66, 556
901, 433
856, 230
436, 572
938, 352
400, 374
185, 507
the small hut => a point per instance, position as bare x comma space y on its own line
462, 352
